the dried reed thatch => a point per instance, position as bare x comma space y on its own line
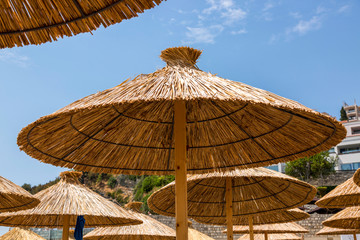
337, 231
356, 177
349, 218
36, 22
150, 229
346, 194
196, 235
14, 198
292, 215
282, 236
289, 227
69, 198
21, 234
254, 191
129, 128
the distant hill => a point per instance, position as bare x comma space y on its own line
118, 188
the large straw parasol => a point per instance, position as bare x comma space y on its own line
150, 229
356, 177
14, 198
21, 233
245, 193
196, 235
176, 119
338, 231
282, 236
36, 22
349, 218
346, 194
63, 202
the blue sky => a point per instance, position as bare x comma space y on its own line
306, 50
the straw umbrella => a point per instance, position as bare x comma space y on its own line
346, 194
150, 229
235, 194
63, 202
349, 218
28, 22
266, 229
283, 236
356, 177
175, 120
196, 235
338, 231
14, 198
21, 233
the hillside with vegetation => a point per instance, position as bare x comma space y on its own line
118, 188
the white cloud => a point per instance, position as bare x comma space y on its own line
295, 15
344, 8
233, 15
238, 32
320, 10
227, 9
203, 34
11, 56
267, 6
304, 27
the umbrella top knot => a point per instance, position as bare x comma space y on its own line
70, 176
135, 206
180, 56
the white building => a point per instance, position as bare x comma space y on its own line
349, 149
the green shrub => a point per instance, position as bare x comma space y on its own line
323, 190
112, 182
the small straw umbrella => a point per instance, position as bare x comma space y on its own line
266, 229
196, 235
235, 194
282, 236
349, 218
14, 198
29, 22
21, 233
63, 202
356, 177
175, 120
338, 231
346, 194
150, 229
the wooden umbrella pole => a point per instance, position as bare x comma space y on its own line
251, 228
266, 236
66, 226
355, 236
229, 209
181, 213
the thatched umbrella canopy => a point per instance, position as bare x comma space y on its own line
356, 177
346, 194
254, 191
196, 235
282, 236
292, 215
21, 233
337, 231
179, 119
63, 202
150, 229
14, 198
29, 22
349, 218
289, 227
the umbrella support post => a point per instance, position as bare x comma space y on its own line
229, 209
66, 226
266, 236
181, 211
355, 238
251, 228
